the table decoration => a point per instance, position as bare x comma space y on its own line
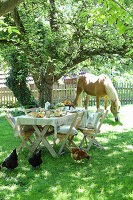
68, 103
60, 106
51, 107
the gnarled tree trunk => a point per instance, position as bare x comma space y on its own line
45, 87
45, 94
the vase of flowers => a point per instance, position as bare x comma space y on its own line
60, 106
51, 108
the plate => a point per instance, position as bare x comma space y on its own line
35, 114
60, 115
57, 115
73, 111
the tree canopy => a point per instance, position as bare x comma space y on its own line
8, 5
56, 36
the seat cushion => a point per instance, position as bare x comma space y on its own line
64, 129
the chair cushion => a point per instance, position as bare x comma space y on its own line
92, 120
64, 129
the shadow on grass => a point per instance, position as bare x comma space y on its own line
111, 122
107, 175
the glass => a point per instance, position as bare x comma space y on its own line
48, 113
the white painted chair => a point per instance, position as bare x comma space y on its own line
92, 128
66, 133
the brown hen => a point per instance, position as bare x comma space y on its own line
78, 154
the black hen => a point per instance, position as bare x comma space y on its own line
35, 160
11, 161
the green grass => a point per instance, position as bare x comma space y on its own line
108, 175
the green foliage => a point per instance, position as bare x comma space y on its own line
5, 27
17, 83
113, 14
16, 80
56, 36
17, 113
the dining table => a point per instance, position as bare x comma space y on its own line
55, 121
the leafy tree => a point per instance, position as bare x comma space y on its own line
8, 5
16, 80
55, 36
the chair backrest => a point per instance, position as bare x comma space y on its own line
95, 120
24, 129
79, 119
103, 116
10, 119
73, 126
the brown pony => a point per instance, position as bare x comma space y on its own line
101, 87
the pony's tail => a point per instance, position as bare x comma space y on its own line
80, 100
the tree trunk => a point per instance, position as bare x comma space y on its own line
44, 83
45, 94
8, 5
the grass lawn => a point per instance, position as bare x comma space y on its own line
108, 175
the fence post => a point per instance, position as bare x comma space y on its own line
65, 91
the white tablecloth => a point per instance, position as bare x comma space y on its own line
54, 121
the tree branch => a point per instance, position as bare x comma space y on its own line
53, 23
8, 5
122, 7
18, 21
85, 54
7, 42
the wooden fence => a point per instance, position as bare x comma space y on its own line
68, 91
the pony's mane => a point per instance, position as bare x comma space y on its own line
111, 91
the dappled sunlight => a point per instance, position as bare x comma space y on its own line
128, 148
55, 188
127, 116
118, 166
104, 140
80, 190
11, 188
107, 175
26, 168
114, 153
46, 174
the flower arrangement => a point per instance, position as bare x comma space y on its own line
60, 105
67, 103
51, 106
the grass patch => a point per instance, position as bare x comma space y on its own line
107, 175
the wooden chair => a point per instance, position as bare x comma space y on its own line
66, 133
26, 133
92, 129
